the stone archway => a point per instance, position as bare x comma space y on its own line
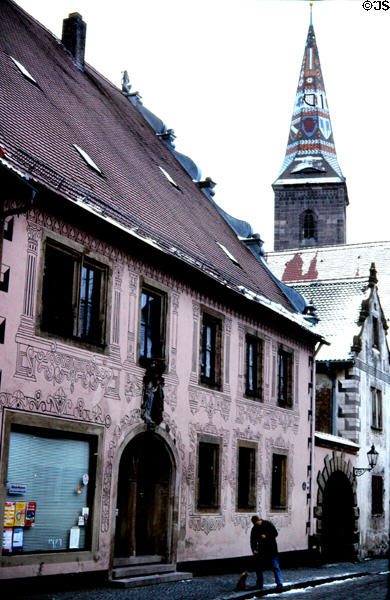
147, 497
337, 512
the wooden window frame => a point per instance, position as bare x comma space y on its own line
214, 378
207, 443
376, 409
250, 478
257, 367
162, 325
75, 330
279, 483
285, 360
376, 495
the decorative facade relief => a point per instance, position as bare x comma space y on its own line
228, 331
58, 367
195, 342
201, 521
210, 401
115, 315
56, 405
174, 331
131, 328
255, 412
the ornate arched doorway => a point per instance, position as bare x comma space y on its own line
337, 512
338, 521
145, 499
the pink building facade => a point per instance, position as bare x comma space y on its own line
156, 380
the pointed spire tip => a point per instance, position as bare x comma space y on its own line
311, 13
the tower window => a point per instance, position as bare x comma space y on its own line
309, 225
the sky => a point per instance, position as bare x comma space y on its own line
223, 74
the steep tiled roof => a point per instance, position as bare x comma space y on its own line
329, 263
311, 153
40, 125
338, 306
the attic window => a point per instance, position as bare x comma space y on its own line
23, 70
229, 254
167, 175
87, 159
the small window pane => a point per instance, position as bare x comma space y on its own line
151, 327
279, 481
57, 294
246, 481
376, 495
208, 476
284, 378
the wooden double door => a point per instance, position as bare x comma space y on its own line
145, 499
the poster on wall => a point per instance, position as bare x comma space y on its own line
9, 514
20, 514
7, 540
17, 541
30, 514
74, 537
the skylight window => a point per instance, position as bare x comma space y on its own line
229, 254
23, 70
87, 158
167, 175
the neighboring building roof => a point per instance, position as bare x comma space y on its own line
338, 306
345, 262
311, 154
78, 135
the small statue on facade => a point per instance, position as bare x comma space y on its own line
126, 85
152, 406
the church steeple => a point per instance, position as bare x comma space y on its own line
310, 183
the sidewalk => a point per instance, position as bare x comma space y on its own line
309, 577
213, 587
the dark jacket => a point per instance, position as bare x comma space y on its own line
265, 547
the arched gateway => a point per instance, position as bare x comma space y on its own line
146, 521
336, 511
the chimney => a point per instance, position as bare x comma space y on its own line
73, 36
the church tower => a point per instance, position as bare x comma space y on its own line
310, 191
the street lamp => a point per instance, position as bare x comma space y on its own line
372, 456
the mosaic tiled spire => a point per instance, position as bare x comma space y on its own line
310, 148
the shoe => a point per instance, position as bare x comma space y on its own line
279, 588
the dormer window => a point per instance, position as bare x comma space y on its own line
167, 175
87, 159
23, 70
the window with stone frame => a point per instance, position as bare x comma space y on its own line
254, 367
152, 324
375, 332
246, 477
309, 225
279, 482
376, 406
74, 295
211, 351
208, 488
285, 387
376, 495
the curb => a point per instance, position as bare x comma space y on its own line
257, 593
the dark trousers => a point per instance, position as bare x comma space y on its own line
261, 564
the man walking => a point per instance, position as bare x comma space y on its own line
265, 550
